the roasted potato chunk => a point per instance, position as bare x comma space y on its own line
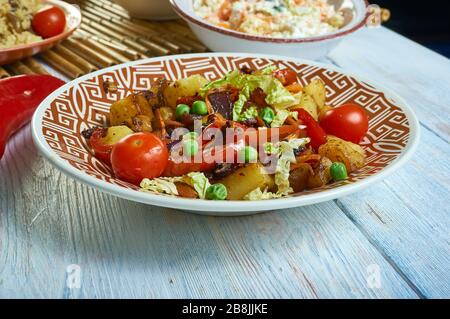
141, 123
115, 133
123, 111
167, 113
338, 150
307, 102
322, 174
245, 180
298, 178
316, 89
184, 87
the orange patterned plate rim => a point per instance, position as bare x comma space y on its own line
57, 123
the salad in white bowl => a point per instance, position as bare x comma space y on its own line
298, 28
273, 18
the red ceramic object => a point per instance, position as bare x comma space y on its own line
19, 97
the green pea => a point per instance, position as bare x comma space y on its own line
190, 147
216, 192
267, 115
200, 108
338, 171
191, 136
248, 154
181, 110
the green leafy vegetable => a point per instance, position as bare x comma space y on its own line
249, 113
269, 70
162, 185
200, 183
258, 194
267, 115
232, 78
277, 95
281, 117
217, 192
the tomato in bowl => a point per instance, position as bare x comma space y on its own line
56, 34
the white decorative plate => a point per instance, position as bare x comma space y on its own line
82, 103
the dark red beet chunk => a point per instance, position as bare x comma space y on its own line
221, 103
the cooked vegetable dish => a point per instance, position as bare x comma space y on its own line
251, 135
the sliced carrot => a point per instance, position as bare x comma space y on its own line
294, 87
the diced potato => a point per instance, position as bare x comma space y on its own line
167, 113
338, 150
247, 179
184, 87
322, 174
123, 111
116, 133
298, 178
316, 89
141, 123
308, 103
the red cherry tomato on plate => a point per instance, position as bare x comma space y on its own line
101, 149
49, 22
139, 156
348, 122
286, 76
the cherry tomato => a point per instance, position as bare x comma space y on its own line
102, 150
286, 76
49, 22
313, 130
139, 156
348, 122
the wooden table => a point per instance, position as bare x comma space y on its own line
391, 240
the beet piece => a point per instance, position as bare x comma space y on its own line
221, 103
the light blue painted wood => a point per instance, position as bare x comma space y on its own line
408, 216
131, 250
419, 75
124, 249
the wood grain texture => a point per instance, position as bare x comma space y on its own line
408, 216
129, 250
418, 74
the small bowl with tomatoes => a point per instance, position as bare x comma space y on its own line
54, 22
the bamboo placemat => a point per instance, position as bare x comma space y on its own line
109, 36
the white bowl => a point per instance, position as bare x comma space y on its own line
224, 40
148, 9
62, 116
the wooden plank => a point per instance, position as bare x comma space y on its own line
408, 217
124, 249
419, 75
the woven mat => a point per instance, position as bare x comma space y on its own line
109, 36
